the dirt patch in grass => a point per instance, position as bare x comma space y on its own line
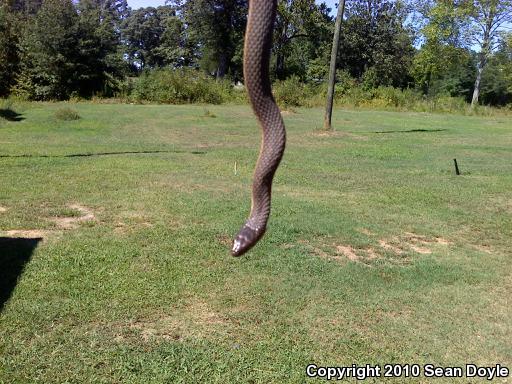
411, 241
397, 246
84, 214
347, 251
73, 222
131, 221
366, 232
483, 248
385, 244
194, 320
420, 244
27, 233
342, 253
3, 209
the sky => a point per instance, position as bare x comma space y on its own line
155, 3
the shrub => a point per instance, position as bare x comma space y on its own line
179, 86
66, 114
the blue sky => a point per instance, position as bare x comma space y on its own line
155, 3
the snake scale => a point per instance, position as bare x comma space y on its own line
257, 49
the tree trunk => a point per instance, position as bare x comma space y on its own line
476, 90
484, 53
332, 68
222, 65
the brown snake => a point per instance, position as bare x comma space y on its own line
257, 47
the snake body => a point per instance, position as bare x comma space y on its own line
257, 49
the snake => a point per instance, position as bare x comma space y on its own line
257, 51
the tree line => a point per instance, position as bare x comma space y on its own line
57, 49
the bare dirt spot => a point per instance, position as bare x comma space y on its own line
417, 243
483, 248
442, 241
390, 247
371, 254
421, 250
3, 209
347, 251
73, 222
195, 320
366, 231
27, 233
287, 112
396, 245
341, 253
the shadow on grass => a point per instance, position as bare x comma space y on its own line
15, 253
10, 115
105, 154
413, 130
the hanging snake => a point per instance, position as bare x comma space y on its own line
257, 48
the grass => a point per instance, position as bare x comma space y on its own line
375, 253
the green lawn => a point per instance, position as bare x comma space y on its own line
376, 252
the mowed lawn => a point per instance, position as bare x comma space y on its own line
376, 252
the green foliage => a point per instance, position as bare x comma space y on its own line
290, 92
61, 49
497, 76
217, 26
153, 38
66, 52
8, 50
66, 114
444, 69
49, 52
302, 35
373, 38
193, 86
180, 86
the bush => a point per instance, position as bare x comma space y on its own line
66, 114
179, 87
290, 92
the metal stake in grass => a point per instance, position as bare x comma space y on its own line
457, 172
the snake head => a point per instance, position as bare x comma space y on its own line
246, 239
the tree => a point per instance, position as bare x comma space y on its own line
303, 29
374, 39
217, 26
67, 50
332, 68
444, 64
487, 17
9, 55
100, 61
497, 78
49, 52
143, 32
25, 7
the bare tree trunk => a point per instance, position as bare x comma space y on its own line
484, 53
476, 90
332, 68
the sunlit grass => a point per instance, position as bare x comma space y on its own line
376, 251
